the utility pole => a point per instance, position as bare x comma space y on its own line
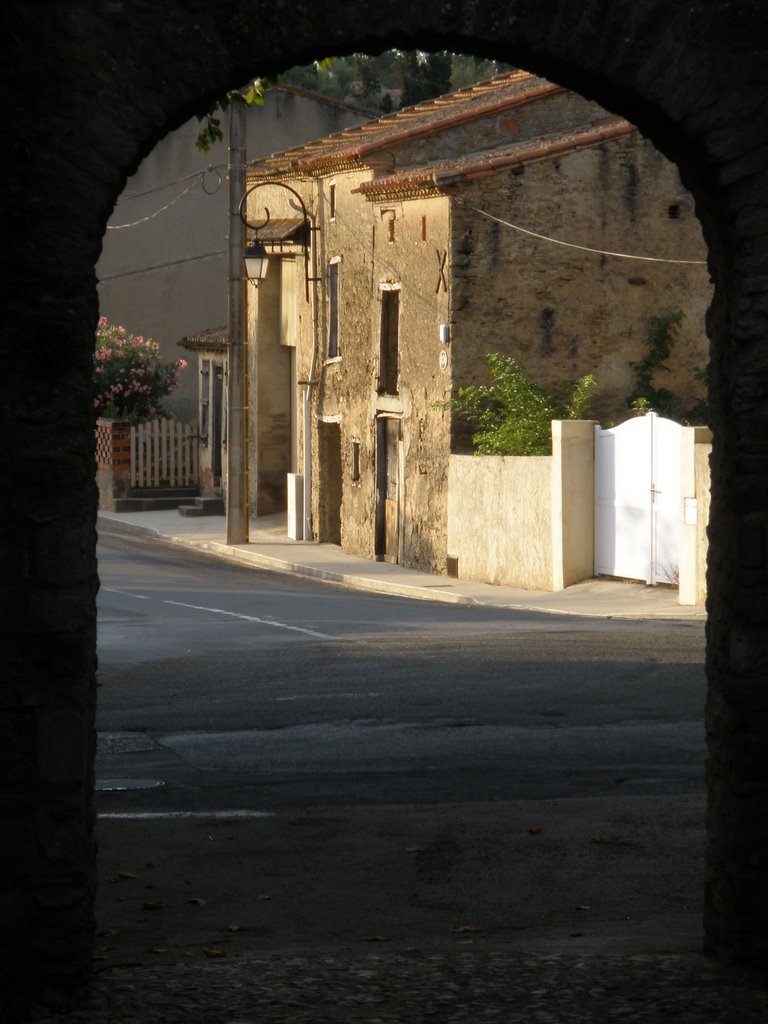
237, 382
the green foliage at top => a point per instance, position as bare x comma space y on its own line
425, 76
512, 415
210, 123
363, 81
410, 76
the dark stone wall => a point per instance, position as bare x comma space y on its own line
88, 88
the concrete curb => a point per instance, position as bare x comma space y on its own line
578, 604
247, 556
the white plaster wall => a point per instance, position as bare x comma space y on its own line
500, 519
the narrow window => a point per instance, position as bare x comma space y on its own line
391, 216
389, 341
332, 202
424, 228
355, 460
205, 399
333, 310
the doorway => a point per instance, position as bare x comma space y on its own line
388, 488
329, 482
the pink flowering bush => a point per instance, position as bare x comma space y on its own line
131, 378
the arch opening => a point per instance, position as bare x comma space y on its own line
50, 344
629, 198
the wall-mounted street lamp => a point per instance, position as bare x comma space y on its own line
256, 259
255, 255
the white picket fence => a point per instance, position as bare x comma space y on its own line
164, 453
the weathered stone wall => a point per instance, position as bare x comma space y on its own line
394, 244
562, 312
553, 113
98, 87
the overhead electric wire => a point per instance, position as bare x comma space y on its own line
574, 245
199, 176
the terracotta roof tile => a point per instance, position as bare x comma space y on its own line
356, 144
214, 339
438, 177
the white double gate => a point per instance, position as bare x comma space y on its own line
637, 500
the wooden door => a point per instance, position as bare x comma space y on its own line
388, 489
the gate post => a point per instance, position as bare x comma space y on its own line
695, 444
113, 461
573, 502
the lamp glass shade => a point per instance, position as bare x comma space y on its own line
256, 261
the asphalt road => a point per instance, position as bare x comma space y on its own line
287, 763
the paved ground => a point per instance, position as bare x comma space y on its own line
270, 548
414, 987
378, 980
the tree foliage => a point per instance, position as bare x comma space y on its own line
373, 83
210, 123
512, 415
425, 76
393, 78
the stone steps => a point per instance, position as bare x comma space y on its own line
203, 507
153, 499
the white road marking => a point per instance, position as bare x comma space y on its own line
250, 618
326, 696
157, 815
126, 593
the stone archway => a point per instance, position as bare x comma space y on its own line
89, 91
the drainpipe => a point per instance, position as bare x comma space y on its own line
307, 394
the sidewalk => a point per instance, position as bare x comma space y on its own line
270, 548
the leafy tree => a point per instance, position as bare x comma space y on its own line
512, 414
360, 79
368, 84
466, 70
306, 77
426, 75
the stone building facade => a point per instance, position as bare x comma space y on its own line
419, 271
163, 265
99, 86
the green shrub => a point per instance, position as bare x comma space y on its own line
131, 378
512, 414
